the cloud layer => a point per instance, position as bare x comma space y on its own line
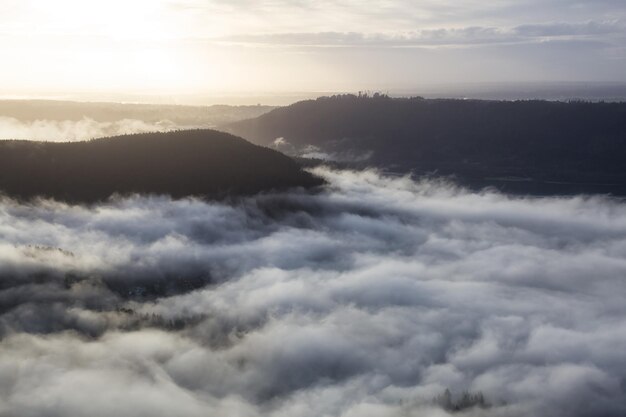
187, 48
458, 37
367, 299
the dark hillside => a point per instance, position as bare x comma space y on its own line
535, 146
185, 163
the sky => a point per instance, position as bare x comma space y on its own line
244, 46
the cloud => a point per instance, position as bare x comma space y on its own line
368, 298
568, 29
70, 130
314, 152
471, 35
188, 47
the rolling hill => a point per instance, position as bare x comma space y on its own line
181, 115
204, 163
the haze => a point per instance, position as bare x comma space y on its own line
213, 47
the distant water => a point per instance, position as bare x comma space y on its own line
589, 91
611, 92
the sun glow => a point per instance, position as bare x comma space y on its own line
207, 47
117, 45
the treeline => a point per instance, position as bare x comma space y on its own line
203, 163
465, 401
582, 144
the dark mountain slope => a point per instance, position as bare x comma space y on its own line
185, 163
534, 146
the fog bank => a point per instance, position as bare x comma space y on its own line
367, 299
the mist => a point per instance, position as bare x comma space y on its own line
77, 130
369, 298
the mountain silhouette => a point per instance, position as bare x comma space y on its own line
527, 146
204, 163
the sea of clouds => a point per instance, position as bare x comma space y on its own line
367, 298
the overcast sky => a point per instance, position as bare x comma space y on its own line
217, 46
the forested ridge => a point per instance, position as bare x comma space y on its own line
184, 163
579, 145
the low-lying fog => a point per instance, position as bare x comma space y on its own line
77, 130
63, 121
367, 299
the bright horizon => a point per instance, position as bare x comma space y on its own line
219, 48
